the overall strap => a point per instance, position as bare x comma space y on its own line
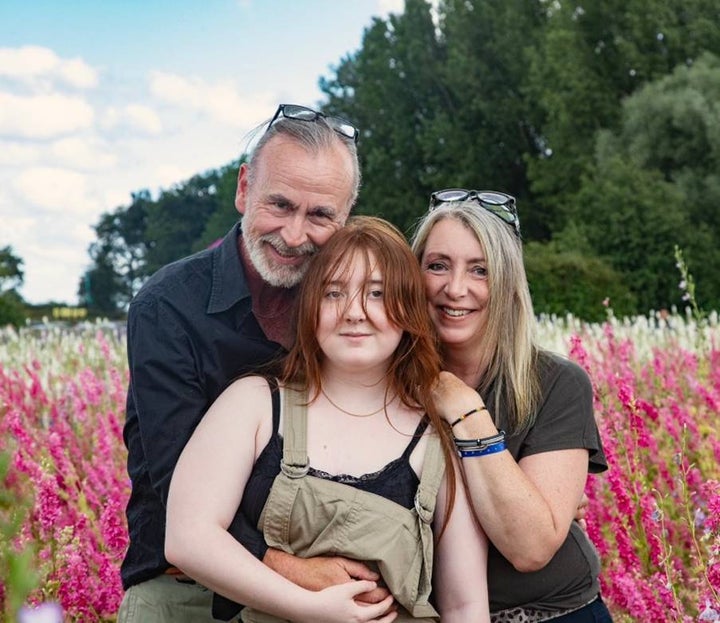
425, 502
430, 479
295, 461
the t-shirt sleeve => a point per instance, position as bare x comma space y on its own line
566, 417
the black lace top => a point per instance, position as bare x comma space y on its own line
396, 481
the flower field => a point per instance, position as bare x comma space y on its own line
654, 516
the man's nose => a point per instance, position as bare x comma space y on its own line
294, 231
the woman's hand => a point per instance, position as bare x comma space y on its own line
453, 397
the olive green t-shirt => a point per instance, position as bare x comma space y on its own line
565, 420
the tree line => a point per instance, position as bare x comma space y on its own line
602, 118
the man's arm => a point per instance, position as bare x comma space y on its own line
165, 388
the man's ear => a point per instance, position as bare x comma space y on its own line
241, 190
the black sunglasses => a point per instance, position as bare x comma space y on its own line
302, 113
498, 203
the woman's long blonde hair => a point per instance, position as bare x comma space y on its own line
508, 355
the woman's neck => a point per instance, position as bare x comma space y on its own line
464, 364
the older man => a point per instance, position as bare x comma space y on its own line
204, 320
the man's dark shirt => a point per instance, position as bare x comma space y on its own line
191, 331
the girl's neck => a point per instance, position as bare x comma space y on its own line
363, 386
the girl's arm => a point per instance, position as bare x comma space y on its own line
205, 492
460, 571
525, 508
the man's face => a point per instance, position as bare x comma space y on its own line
296, 200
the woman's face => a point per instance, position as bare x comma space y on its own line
354, 330
455, 272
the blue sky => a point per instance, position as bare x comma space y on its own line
100, 99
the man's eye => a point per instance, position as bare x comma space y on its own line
320, 216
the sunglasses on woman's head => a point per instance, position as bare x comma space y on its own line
302, 113
500, 204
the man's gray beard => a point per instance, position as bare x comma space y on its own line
278, 276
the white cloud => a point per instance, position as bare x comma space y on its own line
143, 118
81, 153
54, 189
30, 64
16, 227
43, 116
15, 154
221, 101
391, 6
47, 268
78, 73
134, 118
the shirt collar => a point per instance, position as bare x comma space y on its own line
229, 284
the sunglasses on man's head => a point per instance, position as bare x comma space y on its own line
302, 113
500, 204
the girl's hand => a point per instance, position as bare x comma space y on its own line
337, 604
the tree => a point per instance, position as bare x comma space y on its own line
118, 257
225, 214
564, 281
11, 278
593, 55
481, 134
656, 184
12, 275
177, 220
391, 89
624, 212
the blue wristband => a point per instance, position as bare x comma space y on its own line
496, 447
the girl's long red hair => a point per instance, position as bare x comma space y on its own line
415, 364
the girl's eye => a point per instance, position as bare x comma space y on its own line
375, 294
333, 294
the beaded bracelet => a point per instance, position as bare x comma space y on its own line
479, 444
492, 449
464, 415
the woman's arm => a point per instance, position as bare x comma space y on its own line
205, 491
525, 508
460, 571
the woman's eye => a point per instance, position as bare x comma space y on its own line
436, 266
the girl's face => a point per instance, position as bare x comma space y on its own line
455, 271
354, 330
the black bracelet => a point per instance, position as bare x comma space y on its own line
464, 415
479, 444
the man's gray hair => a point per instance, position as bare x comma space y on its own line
311, 135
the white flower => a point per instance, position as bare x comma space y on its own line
49, 612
